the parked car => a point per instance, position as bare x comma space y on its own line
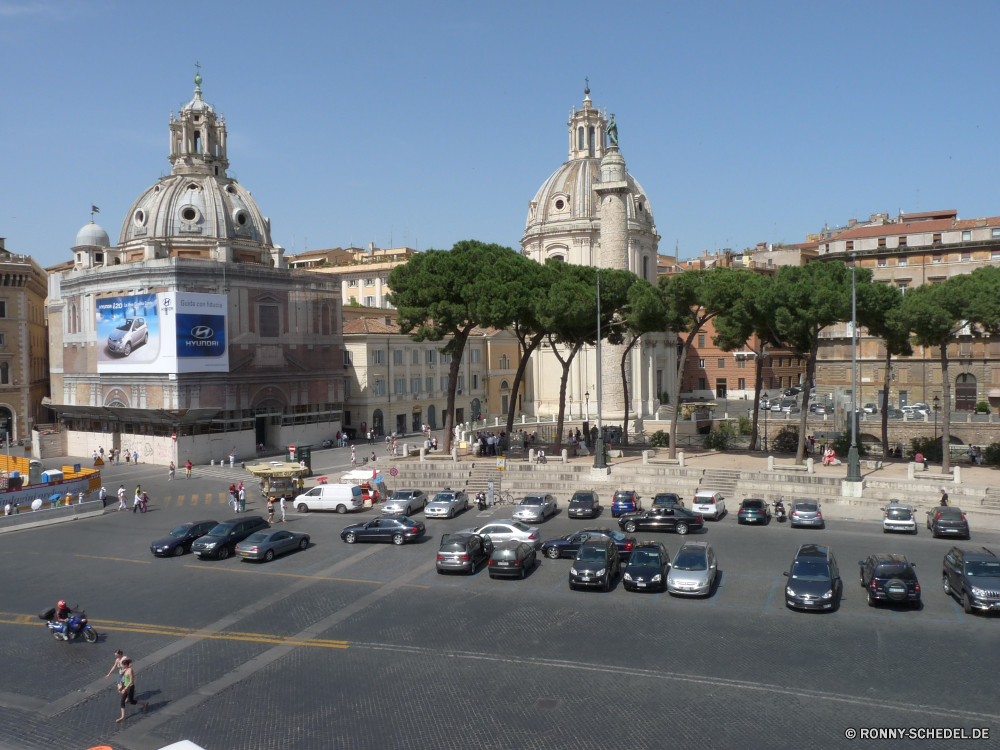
974, 577
693, 571
663, 518
625, 501
130, 334
647, 568
889, 578
814, 579
395, 529
462, 552
670, 499
180, 539
267, 544
790, 407
567, 546
899, 517
404, 503
948, 520
709, 504
895, 414
753, 510
869, 409
535, 508
596, 564
507, 531
806, 513
512, 559
338, 497
221, 540
446, 504
584, 504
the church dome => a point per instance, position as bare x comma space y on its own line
196, 206
92, 235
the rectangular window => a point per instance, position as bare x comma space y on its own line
881, 241
445, 358
996, 232
701, 340
270, 324
477, 356
431, 356
903, 287
370, 301
347, 418
430, 385
369, 282
352, 282
881, 262
397, 357
378, 357
461, 382
850, 246
3, 339
475, 381
901, 260
741, 363
966, 236
444, 383
701, 384
936, 239
348, 358
741, 384
347, 387
400, 386
936, 258
902, 241
995, 254
416, 356
415, 385
701, 364
378, 388
770, 383
966, 255
722, 364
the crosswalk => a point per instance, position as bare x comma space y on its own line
235, 474
194, 500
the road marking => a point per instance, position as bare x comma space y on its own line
135, 735
180, 500
116, 559
767, 604
194, 500
958, 609
718, 589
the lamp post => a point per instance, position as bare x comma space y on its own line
937, 405
586, 396
765, 424
853, 461
599, 443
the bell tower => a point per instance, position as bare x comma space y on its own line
587, 138
198, 138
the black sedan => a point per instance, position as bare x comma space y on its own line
948, 520
179, 541
567, 546
512, 559
662, 518
584, 504
395, 529
647, 568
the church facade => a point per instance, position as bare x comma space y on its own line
591, 211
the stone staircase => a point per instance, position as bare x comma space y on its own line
720, 480
478, 480
992, 499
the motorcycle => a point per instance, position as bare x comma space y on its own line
76, 625
779, 511
481, 500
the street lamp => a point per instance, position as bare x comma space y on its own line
765, 424
853, 460
586, 396
937, 405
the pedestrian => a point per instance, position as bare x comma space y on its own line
135, 457
243, 498
137, 500
170, 474
118, 457
233, 501
270, 510
102, 452
187, 469
354, 459
121, 498
282, 504
103, 495
95, 456
126, 687
944, 497
119, 658
80, 498
373, 459
232, 459
144, 506
128, 457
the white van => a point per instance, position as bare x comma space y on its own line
338, 497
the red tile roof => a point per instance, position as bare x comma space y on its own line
911, 227
951, 213
379, 326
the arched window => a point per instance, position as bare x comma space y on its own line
197, 141
326, 320
4, 373
591, 140
580, 143
645, 267
504, 362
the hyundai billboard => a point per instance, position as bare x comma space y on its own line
167, 332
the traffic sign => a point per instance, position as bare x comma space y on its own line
393, 471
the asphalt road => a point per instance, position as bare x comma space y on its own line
365, 646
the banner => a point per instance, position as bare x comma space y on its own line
167, 332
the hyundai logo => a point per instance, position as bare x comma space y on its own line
202, 332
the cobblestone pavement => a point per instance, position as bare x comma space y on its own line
365, 646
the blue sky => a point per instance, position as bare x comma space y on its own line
430, 122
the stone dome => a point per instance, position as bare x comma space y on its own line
195, 206
92, 235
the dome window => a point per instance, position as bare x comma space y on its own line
560, 204
231, 190
193, 186
189, 213
640, 206
139, 217
241, 218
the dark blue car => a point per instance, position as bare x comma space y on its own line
567, 546
625, 501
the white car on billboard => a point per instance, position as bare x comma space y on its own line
130, 334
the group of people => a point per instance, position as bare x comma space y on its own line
140, 500
238, 497
975, 455
270, 508
491, 443
114, 456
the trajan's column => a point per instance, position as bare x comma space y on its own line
613, 253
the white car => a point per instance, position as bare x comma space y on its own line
507, 531
709, 504
446, 504
899, 517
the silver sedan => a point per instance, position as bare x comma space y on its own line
693, 570
535, 508
507, 531
404, 503
446, 504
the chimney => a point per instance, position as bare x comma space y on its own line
981, 222
852, 223
704, 253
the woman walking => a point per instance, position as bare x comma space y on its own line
126, 687
270, 510
119, 658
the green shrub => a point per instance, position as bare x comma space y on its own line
991, 454
665, 397
842, 445
660, 439
786, 441
745, 425
718, 440
930, 447
983, 407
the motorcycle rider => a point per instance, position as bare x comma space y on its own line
62, 616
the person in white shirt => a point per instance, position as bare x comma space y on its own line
121, 498
282, 508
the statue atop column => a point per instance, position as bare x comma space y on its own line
612, 131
